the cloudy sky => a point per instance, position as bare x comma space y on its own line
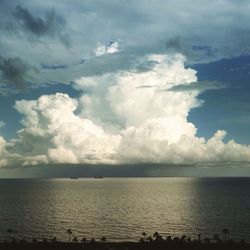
127, 87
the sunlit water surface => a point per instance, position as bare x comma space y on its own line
122, 208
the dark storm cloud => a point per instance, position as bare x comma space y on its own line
14, 71
51, 25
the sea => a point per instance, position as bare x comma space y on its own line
122, 208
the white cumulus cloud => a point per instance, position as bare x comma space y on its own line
55, 133
127, 117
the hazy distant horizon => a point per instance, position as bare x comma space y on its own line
140, 170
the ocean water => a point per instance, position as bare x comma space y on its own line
122, 208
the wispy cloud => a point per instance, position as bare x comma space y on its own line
53, 66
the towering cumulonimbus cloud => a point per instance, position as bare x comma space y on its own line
127, 117
56, 134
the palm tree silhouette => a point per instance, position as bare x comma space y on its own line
157, 236
169, 238
225, 232
216, 238
183, 238
199, 236
75, 239
206, 240
54, 239
9, 231
149, 239
103, 239
144, 236
83, 240
69, 232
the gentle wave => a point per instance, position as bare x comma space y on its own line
122, 208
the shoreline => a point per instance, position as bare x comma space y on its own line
123, 245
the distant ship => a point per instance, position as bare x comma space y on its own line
73, 177
98, 177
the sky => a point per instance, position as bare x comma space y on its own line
124, 88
